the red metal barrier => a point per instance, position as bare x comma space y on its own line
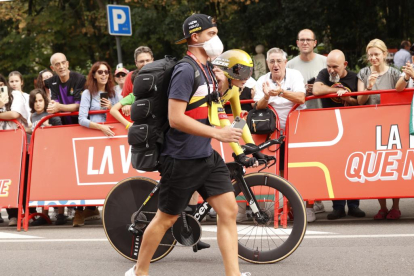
73, 165
352, 152
12, 169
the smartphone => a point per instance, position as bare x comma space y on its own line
311, 80
4, 95
238, 123
104, 95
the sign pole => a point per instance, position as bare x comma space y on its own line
118, 49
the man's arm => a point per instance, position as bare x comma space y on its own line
184, 123
319, 88
295, 97
117, 115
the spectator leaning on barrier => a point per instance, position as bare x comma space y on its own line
142, 56
308, 63
65, 88
282, 88
40, 81
378, 76
99, 94
120, 75
337, 79
16, 108
403, 55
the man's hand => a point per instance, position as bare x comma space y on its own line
126, 109
340, 92
223, 82
228, 134
53, 107
309, 89
372, 78
271, 92
246, 161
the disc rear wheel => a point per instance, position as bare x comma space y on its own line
121, 204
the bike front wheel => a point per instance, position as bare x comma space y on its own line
259, 241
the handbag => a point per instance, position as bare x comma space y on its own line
261, 121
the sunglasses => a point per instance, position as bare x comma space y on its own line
101, 72
120, 75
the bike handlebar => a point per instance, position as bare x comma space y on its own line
265, 145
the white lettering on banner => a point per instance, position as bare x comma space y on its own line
90, 162
382, 164
107, 159
393, 138
119, 18
126, 162
408, 171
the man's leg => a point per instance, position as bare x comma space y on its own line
152, 238
226, 208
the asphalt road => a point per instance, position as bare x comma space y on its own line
344, 247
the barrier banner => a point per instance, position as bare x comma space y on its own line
10, 167
351, 153
74, 165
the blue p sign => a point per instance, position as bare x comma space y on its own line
119, 20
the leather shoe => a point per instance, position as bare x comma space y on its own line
356, 212
336, 214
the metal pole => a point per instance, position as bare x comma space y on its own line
118, 49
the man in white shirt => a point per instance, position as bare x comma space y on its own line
308, 63
282, 88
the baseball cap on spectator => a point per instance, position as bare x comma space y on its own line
196, 23
121, 70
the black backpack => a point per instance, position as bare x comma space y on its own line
150, 110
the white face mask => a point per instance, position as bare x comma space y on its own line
213, 47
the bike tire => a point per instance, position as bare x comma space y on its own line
281, 243
122, 201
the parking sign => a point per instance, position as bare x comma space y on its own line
119, 20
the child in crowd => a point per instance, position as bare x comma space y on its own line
40, 81
38, 102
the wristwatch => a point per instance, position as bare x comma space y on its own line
281, 93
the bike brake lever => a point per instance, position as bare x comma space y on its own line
262, 162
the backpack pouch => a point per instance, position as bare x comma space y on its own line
144, 85
141, 109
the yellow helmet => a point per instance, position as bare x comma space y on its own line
236, 64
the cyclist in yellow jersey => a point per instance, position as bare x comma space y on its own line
237, 65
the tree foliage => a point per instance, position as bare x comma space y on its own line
31, 30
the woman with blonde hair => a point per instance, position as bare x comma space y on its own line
378, 76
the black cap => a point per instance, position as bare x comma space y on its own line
196, 23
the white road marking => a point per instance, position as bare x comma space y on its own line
4, 235
245, 229
40, 240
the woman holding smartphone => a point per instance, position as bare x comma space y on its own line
99, 95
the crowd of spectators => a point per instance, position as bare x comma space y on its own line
287, 83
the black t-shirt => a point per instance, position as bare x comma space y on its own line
68, 92
349, 82
246, 94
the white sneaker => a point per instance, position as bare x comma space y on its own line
13, 222
246, 274
318, 207
131, 272
310, 215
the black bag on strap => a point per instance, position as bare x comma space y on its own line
261, 121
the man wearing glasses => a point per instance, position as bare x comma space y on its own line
65, 88
308, 63
281, 88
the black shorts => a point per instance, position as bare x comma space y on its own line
180, 178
